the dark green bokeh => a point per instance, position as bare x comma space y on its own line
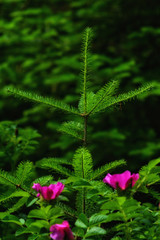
40, 45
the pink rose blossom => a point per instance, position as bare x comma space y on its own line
122, 180
50, 192
61, 231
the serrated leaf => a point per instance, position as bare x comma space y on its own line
82, 221
97, 219
37, 213
95, 231
81, 183
111, 205
12, 219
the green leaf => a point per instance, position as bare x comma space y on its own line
97, 219
150, 165
95, 231
82, 221
12, 219
78, 231
40, 224
110, 205
121, 200
55, 213
37, 213
114, 217
81, 183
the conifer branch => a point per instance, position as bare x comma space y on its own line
103, 93
85, 131
75, 129
67, 210
121, 98
87, 36
6, 178
50, 102
96, 174
82, 163
55, 164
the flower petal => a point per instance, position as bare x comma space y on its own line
46, 193
56, 189
61, 230
57, 233
124, 179
36, 187
135, 177
110, 180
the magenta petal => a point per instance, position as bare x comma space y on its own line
36, 187
46, 193
56, 189
67, 230
69, 234
135, 177
110, 180
57, 233
123, 179
118, 180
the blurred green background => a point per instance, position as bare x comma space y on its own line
40, 46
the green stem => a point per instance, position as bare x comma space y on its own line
85, 131
127, 230
84, 115
83, 189
85, 71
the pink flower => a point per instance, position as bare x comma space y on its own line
122, 180
61, 231
50, 192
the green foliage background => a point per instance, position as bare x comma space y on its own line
40, 44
